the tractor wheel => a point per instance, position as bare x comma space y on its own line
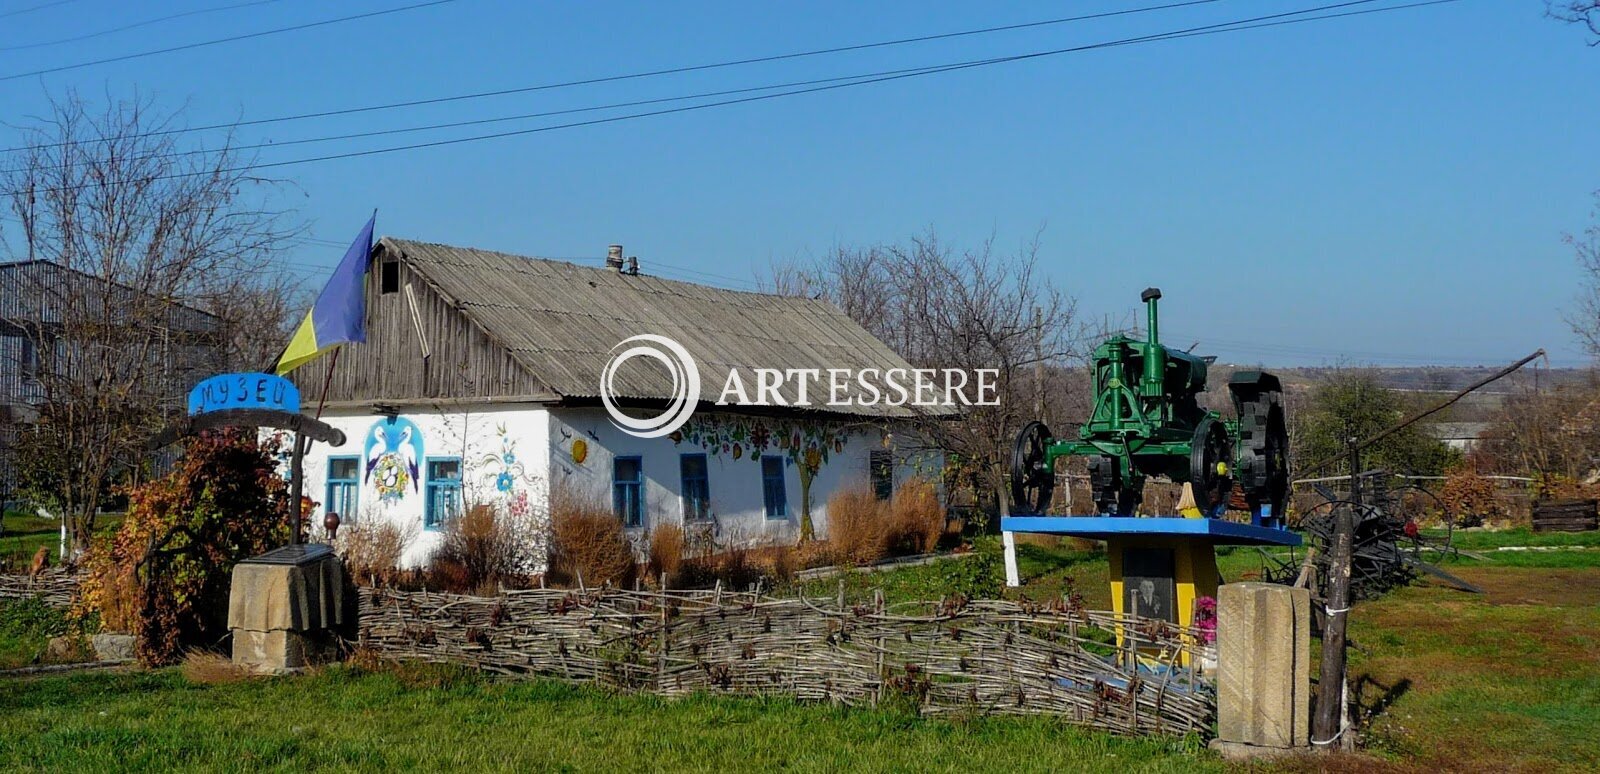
1209, 475
1032, 481
1263, 451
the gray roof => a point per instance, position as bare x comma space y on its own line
561, 321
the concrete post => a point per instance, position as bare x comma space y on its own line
1263, 669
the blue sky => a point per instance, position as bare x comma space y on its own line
1389, 188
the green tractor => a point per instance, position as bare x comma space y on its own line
1148, 422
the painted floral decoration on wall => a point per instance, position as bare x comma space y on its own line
393, 451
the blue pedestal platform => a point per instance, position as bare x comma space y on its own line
1215, 531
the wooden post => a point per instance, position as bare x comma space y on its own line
661, 649
1327, 720
297, 470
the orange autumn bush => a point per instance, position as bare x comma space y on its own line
164, 574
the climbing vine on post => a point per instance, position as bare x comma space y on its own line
164, 574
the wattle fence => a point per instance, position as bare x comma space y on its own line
56, 587
949, 657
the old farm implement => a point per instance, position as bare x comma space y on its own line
1401, 532
1147, 421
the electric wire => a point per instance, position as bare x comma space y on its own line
219, 41
135, 25
1270, 20
660, 72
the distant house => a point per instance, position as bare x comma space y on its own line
479, 383
43, 308
1461, 436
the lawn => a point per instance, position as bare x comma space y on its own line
1506, 680
427, 719
23, 533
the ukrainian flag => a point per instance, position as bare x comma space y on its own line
340, 313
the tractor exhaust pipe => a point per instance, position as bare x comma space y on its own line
1155, 358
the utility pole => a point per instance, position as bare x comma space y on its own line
1328, 720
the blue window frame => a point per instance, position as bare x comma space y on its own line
443, 491
696, 487
880, 471
773, 495
627, 490
344, 487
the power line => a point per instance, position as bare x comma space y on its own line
1259, 22
660, 72
31, 9
135, 25
519, 117
218, 41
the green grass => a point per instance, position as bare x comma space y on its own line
345, 720
23, 533
1506, 680
26, 627
1479, 539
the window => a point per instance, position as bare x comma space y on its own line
880, 468
344, 479
772, 492
29, 359
389, 273
627, 490
696, 487
444, 491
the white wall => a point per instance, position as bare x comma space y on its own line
505, 462
544, 452
733, 467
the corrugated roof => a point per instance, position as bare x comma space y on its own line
562, 321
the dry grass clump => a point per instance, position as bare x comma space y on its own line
667, 546
480, 550
916, 519
371, 549
857, 527
207, 668
588, 543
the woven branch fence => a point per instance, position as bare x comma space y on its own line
954, 656
56, 587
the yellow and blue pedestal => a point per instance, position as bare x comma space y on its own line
1160, 565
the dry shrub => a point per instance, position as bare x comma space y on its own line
857, 527
588, 543
120, 600
666, 552
776, 563
371, 549
916, 519
1470, 498
207, 668
814, 553
480, 550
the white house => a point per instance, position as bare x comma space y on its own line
479, 383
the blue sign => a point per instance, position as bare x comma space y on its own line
244, 391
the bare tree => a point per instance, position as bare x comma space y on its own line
1585, 321
942, 307
1584, 12
138, 265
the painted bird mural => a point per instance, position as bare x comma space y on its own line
393, 452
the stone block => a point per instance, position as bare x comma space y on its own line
275, 650
283, 614
113, 647
1264, 665
302, 598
